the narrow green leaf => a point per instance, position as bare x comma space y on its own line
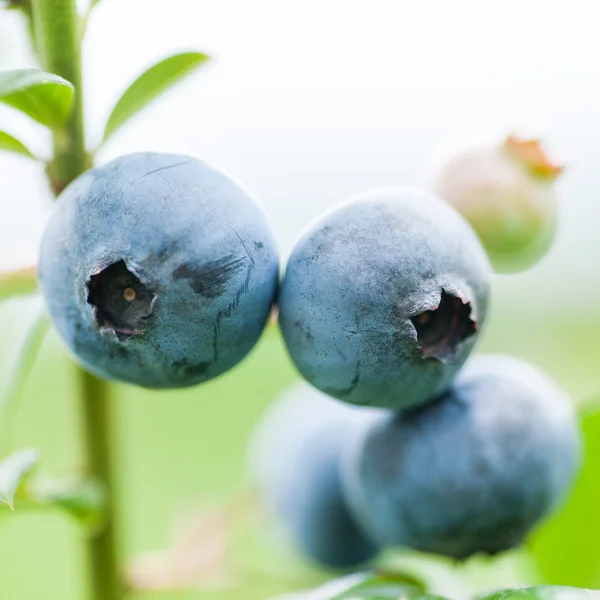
44, 97
151, 84
367, 585
333, 589
18, 5
566, 547
84, 500
393, 595
12, 472
434, 574
25, 357
544, 592
12, 144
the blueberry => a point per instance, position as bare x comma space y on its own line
295, 459
383, 298
158, 270
472, 472
507, 192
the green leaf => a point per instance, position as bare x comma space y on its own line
566, 548
12, 472
44, 97
395, 596
437, 575
367, 586
18, 5
83, 500
544, 592
25, 356
149, 85
12, 144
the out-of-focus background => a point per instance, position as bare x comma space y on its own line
305, 103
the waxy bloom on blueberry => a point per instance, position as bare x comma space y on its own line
158, 270
507, 193
383, 298
473, 471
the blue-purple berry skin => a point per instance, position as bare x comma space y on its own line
158, 270
295, 464
384, 297
471, 473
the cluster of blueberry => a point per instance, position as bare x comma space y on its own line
471, 471
381, 304
158, 270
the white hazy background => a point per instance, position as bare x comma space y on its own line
308, 102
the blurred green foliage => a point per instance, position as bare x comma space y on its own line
568, 547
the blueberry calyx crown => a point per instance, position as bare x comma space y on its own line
121, 301
441, 330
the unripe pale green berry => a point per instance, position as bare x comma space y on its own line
507, 193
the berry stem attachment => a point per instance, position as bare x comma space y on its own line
57, 28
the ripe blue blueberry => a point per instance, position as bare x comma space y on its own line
472, 472
383, 298
158, 270
295, 460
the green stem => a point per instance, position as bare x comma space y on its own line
98, 425
57, 27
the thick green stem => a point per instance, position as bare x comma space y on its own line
57, 28
98, 425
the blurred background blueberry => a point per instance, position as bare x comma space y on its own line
295, 464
